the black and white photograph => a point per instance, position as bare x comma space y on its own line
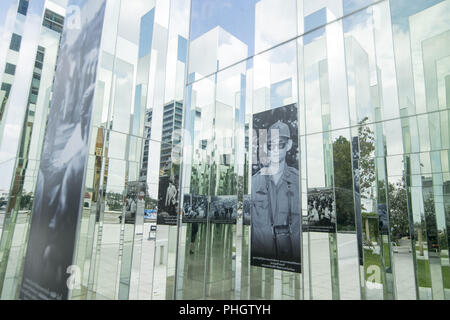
195, 208
275, 196
134, 201
321, 210
60, 180
223, 209
168, 201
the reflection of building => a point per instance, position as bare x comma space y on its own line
171, 137
39, 93
147, 135
211, 51
171, 134
30, 67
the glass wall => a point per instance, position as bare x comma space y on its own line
179, 86
30, 43
370, 84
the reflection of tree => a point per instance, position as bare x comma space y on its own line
114, 201
199, 179
436, 238
366, 153
26, 201
227, 181
398, 207
343, 182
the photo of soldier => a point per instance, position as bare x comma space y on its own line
321, 210
223, 209
275, 191
168, 200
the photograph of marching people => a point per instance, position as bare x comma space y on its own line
168, 200
275, 202
223, 209
321, 210
195, 208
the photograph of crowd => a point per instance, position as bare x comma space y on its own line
194, 208
321, 210
223, 209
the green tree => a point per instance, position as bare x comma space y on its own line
343, 183
114, 201
366, 154
343, 177
398, 207
26, 200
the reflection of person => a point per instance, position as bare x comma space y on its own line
275, 202
314, 212
194, 232
131, 208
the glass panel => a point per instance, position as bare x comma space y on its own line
91, 226
230, 31
274, 23
222, 33
320, 194
16, 219
198, 147
7, 17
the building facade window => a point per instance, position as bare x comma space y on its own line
10, 69
16, 41
23, 7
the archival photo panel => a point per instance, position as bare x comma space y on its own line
195, 208
223, 209
60, 184
168, 200
275, 190
321, 210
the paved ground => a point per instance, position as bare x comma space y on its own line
147, 275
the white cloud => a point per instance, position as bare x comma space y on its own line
130, 18
274, 23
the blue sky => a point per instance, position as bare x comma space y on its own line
4, 6
402, 9
235, 16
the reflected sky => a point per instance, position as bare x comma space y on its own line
401, 10
4, 7
236, 17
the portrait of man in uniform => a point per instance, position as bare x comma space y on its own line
275, 193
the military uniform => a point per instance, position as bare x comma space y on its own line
276, 216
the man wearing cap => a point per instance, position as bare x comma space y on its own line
275, 201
